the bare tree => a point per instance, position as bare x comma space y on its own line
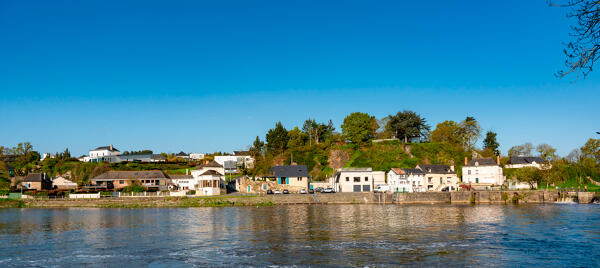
582, 51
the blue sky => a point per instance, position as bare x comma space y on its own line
211, 76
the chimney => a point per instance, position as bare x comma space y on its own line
466, 161
498, 159
452, 168
111, 147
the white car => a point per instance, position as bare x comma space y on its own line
382, 188
276, 192
303, 191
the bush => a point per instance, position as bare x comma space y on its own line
134, 188
192, 192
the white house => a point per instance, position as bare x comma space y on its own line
196, 156
406, 180
354, 180
209, 179
61, 182
528, 161
236, 161
98, 154
483, 172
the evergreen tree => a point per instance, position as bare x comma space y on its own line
491, 143
277, 138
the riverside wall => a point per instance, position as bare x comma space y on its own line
472, 197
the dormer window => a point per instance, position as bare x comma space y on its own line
476, 163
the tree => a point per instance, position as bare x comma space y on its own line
447, 131
358, 128
408, 125
317, 131
296, 138
256, 148
546, 152
521, 150
574, 156
491, 143
530, 175
582, 51
471, 131
277, 138
591, 149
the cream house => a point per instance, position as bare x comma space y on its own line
292, 177
483, 172
438, 177
406, 180
98, 154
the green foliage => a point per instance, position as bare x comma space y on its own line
408, 125
277, 138
447, 131
591, 149
138, 152
136, 188
470, 132
4, 176
521, 150
257, 147
359, 128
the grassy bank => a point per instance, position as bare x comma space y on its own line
11, 203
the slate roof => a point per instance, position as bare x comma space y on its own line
526, 160
181, 154
289, 171
211, 172
131, 175
106, 148
482, 162
436, 169
33, 177
407, 171
175, 177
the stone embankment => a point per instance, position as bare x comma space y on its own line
474, 197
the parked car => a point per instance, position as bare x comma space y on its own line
329, 190
319, 189
303, 191
269, 191
311, 191
285, 191
382, 188
448, 188
277, 192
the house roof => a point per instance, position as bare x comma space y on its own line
407, 171
131, 175
482, 162
175, 177
436, 169
211, 172
210, 164
289, 171
181, 154
106, 148
526, 160
33, 177
242, 153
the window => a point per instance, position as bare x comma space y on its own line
356, 188
356, 179
476, 180
366, 188
264, 186
469, 172
441, 180
347, 178
121, 181
477, 171
429, 179
366, 178
157, 182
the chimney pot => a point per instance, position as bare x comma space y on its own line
466, 161
111, 147
498, 159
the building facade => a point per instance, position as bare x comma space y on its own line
150, 179
406, 180
291, 177
438, 177
354, 180
484, 172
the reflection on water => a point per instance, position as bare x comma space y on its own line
337, 235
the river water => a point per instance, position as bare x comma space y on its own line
304, 235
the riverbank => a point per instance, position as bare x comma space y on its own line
473, 197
